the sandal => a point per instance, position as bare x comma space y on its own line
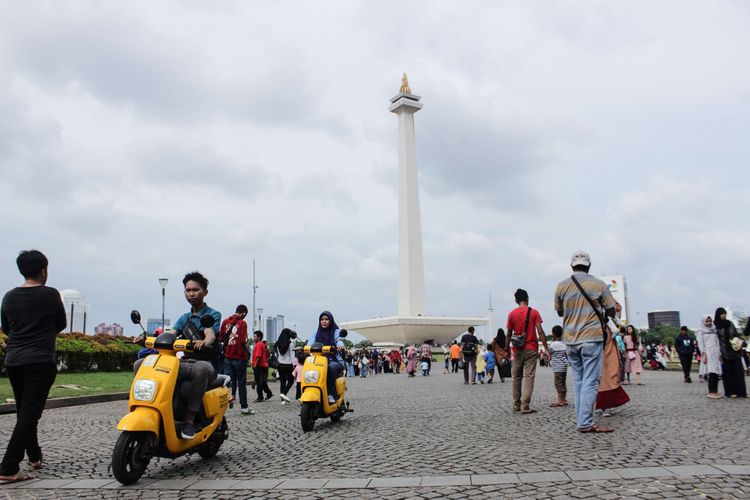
526, 411
36, 465
556, 405
18, 476
596, 428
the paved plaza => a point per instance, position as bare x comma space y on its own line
426, 437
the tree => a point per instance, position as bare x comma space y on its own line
363, 344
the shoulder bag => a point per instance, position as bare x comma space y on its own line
596, 311
518, 341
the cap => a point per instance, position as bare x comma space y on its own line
580, 258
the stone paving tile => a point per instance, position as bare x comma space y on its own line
45, 483
301, 484
394, 482
445, 481
591, 475
541, 477
483, 479
643, 472
86, 484
345, 483
693, 470
735, 469
213, 484
116, 485
171, 484
257, 484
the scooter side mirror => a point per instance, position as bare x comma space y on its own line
343, 333
207, 321
135, 317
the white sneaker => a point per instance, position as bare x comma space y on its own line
283, 403
285, 398
247, 411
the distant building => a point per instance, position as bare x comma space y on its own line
274, 325
76, 310
114, 329
664, 318
153, 323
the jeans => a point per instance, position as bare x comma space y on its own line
524, 367
363, 371
237, 371
470, 362
335, 370
429, 363
31, 385
285, 377
261, 381
586, 364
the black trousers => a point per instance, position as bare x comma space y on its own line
261, 381
285, 377
31, 385
335, 371
686, 360
733, 378
713, 383
454, 365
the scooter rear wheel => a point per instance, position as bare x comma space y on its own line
131, 456
307, 416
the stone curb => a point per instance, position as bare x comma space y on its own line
72, 401
196, 483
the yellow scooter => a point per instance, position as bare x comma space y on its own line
152, 428
314, 397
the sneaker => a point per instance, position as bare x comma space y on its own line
258, 400
188, 430
331, 400
247, 411
283, 403
606, 413
269, 397
285, 398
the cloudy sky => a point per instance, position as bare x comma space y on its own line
141, 140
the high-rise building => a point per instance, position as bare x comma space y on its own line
274, 325
114, 329
664, 318
76, 310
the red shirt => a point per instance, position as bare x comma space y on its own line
234, 343
516, 321
260, 355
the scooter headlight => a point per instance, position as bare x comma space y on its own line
144, 390
311, 377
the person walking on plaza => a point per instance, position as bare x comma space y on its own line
446, 358
469, 349
490, 362
425, 354
234, 334
621, 350
633, 361
733, 374
502, 355
260, 367
31, 316
708, 344
411, 360
455, 352
285, 355
481, 366
559, 364
583, 302
685, 350
524, 332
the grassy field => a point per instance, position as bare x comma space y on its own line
91, 383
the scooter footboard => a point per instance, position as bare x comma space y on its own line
141, 419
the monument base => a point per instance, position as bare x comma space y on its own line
413, 329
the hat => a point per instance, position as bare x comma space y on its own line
580, 258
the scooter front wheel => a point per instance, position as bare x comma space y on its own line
131, 456
307, 416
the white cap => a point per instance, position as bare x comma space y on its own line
580, 258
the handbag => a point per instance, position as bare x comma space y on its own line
596, 311
631, 354
273, 361
518, 341
461, 364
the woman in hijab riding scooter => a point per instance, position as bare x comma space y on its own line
327, 334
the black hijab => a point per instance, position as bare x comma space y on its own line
327, 336
285, 339
500, 338
718, 322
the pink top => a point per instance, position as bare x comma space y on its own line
297, 373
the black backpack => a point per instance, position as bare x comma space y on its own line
469, 348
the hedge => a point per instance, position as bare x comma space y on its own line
79, 352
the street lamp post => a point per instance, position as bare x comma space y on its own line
260, 318
163, 283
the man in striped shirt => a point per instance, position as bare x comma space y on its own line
583, 334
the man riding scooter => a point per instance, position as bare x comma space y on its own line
327, 335
195, 366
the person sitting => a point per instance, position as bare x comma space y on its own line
327, 335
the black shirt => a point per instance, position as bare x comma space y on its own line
469, 342
31, 318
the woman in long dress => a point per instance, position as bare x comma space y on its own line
633, 362
411, 360
708, 344
733, 376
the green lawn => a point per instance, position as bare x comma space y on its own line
92, 383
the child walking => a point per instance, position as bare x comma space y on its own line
559, 365
481, 366
297, 372
490, 363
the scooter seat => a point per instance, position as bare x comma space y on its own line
219, 381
